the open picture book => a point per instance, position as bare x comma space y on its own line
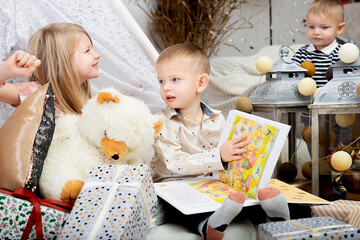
251, 173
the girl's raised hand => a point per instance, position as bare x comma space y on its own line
20, 64
233, 149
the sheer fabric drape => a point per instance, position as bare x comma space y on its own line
124, 64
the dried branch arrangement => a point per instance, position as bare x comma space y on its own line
208, 23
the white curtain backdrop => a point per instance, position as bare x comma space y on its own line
127, 59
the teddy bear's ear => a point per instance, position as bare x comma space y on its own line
158, 125
107, 97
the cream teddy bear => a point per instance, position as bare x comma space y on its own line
113, 129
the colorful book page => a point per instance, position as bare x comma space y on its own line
218, 191
296, 195
244, 175
213, 189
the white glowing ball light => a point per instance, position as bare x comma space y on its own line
307, 86
345, 120
341, 161
348, 53
264, 64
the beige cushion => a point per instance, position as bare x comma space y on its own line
24, 140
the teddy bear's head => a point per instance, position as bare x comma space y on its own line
121, 126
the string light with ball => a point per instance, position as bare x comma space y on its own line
341, 161
264, 64
345, 120
348, 53
307, 86
310, 68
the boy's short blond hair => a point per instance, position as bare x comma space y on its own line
327, 8
187, 50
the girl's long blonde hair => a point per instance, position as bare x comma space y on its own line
55, 46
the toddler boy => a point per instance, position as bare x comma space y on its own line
187, 144
325, 20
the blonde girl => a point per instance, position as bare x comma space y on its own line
68, 61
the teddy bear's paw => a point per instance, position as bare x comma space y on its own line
71, 191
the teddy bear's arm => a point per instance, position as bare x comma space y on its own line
71, 191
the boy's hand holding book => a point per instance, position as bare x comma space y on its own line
234, 149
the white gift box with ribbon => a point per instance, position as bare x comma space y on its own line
114, 203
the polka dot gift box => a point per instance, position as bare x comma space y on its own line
315, 228
115, 202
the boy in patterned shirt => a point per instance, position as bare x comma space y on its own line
187, 144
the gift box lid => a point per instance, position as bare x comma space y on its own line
307, 227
